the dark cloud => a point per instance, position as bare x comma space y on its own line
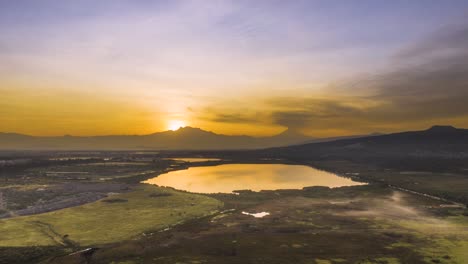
233, 118
231, 115
301, 112
430, 82
436, 78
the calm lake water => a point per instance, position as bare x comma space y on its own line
230, 177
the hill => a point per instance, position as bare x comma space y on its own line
435, 142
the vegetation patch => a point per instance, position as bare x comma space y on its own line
160, 194
115, 200
100, 223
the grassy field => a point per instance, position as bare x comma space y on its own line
317, 225
360, 224
119, 217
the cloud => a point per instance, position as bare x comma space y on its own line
220, 113
434, 82
429, 82
434, 67
233, 118
303, 112
447, 41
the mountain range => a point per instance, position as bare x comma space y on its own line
437, 141
186, 138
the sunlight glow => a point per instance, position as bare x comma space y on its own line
175, 124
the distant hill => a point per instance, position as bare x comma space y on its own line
318, 140
187, 138
436, 142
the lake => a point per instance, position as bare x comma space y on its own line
256, 177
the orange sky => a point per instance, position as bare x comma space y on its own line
231, 67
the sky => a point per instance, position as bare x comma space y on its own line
323, 68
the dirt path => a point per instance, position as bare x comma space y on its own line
49, 231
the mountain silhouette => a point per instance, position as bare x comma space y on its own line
185, 138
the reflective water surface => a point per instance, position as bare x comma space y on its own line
195, 159
257, 215
230, 177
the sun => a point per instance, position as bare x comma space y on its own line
175, 124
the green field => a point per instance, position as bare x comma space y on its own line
121, 217
355, 225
